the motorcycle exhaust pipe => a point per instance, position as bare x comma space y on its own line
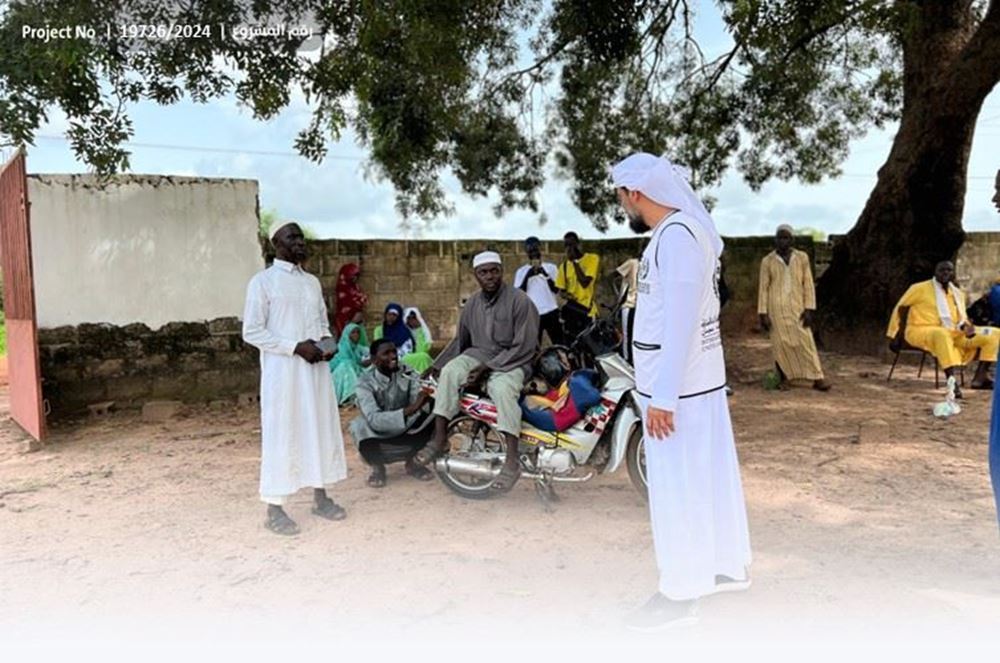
483, 469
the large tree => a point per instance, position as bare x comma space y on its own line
502, 92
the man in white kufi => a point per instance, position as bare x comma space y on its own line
695, 495
301, 442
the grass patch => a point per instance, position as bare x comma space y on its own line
3, 334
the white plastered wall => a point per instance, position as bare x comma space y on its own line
149, 249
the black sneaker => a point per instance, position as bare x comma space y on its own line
660, 614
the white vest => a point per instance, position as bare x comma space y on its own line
706, 367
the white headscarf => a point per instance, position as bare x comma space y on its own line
423, 323
666, 184
786, 227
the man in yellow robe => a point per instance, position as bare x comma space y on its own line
937, 324
786, 301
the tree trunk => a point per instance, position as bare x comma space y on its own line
913, 217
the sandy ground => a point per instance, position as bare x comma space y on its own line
868, 517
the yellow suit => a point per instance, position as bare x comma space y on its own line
925, 330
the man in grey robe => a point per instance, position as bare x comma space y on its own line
495, 344
395, 418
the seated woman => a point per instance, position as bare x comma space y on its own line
420, 359
350, 360
394, 328
571, 394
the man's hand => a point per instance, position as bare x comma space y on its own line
431, 373
476, 376
415, 406
307, 350
807, 319
969, 329
659, 423
765, 322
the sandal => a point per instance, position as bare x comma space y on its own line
329, 510
418, 472
507, 478
282, 524
377, 477
427, 455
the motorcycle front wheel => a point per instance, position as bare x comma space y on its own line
635, 459
471, 439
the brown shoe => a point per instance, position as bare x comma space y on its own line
821, 385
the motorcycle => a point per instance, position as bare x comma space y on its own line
606, 437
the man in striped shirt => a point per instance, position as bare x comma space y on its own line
786, 302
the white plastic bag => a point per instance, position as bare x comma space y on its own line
950, 406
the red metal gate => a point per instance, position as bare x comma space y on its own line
26, 406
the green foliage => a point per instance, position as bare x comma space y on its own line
493, 91
269, 216
3, 334
816, 234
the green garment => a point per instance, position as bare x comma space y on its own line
420, 359
347, 365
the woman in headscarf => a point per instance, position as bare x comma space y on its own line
420, 359
350, 300
350, 360
394, 328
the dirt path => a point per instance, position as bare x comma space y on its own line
865, 513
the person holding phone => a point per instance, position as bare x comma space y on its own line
301, 442
537, 279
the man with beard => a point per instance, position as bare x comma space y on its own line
695, 495
301, 442
495, 343
394, 423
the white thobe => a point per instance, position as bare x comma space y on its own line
301, 441
695, 494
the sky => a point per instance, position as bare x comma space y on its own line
336, 199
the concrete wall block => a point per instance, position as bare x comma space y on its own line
174, 386
439, 265
393, 284
425, 248
230, 325
184, 330
149, 363
109, 368
129, 389
57, 336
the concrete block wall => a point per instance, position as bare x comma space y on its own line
436, 276
194, 362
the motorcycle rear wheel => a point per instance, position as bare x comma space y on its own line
485, 441
635, 460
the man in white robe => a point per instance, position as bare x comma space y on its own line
696, 501
301, 441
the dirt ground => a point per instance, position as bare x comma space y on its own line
868, 516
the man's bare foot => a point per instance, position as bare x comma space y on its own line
327, 508
821, 385
508, 476
279, 522
427, 455
418, 472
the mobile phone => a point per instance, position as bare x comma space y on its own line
328, 346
